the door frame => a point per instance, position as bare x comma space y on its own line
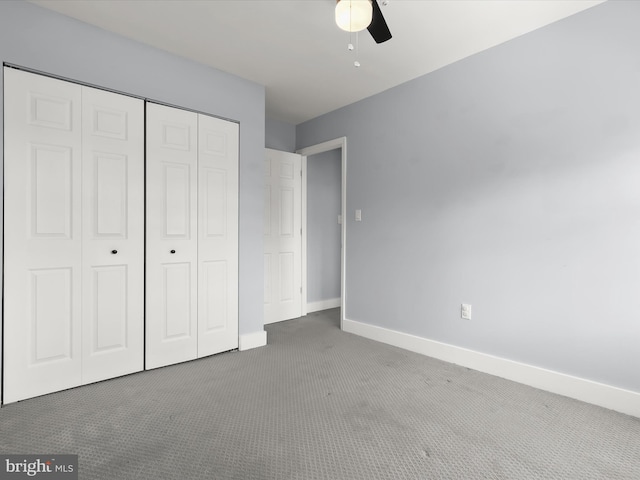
337, 143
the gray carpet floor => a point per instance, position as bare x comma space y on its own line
318, 403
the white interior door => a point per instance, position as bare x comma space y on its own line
282, 236
113, 235
217, 235
171, 243
42, 234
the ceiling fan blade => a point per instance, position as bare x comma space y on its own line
378, 27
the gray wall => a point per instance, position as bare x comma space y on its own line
324, 190
509, 180
280, 135
39, 39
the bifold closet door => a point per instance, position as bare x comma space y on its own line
217, 235
71, 316
113, 235
192, 236
172, 239
42, 235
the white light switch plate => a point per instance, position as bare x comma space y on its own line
339, 219
358, 215
465, 311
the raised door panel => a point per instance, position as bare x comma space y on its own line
50, 316
176, 191
42, 236
286, 270
215, 203
109, 316
286, 213
48, 110
113, 234
111, 195
282, 236
217, 235
50, 203
176, 295
171, 240
215, 315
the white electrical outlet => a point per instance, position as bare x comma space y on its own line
465, 311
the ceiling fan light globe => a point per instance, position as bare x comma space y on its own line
353, 15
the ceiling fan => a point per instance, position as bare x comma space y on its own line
356, 15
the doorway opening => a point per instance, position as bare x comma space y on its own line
314, 248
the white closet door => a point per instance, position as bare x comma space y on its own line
217, 235
282, 236
172, 251
113, 235
42, 287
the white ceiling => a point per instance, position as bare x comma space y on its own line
295, 49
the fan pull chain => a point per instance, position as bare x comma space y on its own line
356, 63
350, 47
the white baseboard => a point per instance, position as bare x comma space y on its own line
252, 340
620, 400
323, 305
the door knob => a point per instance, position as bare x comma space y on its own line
172, 251
114, 252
